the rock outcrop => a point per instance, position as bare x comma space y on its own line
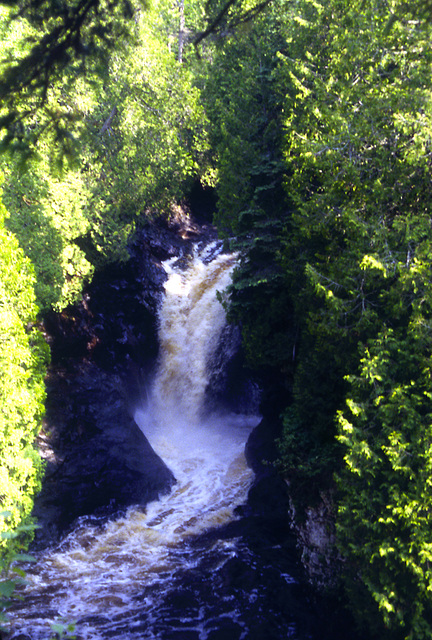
98, 460
316, 540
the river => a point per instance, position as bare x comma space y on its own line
198, 564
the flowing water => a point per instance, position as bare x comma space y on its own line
195, 565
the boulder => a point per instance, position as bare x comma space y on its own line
98, 460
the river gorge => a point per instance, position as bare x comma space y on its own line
177, 526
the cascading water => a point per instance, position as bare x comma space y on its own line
182, 567
191, 321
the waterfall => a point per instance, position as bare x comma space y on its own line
211, 560
205, 451
114, 579
190, 325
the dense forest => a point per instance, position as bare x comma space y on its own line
311, 125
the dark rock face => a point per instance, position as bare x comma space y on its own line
313, 526
269, 495
103, 350
98, 460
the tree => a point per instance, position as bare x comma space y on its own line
142, 137
59, 38
385, 511
358, 159
333, 291
68, 38
23, 361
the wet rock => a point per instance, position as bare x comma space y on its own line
268, 495
261, 450
101, 461
182, 600
239, 575
181, 634
313, 525
316, 539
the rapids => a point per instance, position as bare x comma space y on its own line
186, 566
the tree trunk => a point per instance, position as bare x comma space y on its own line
181, 31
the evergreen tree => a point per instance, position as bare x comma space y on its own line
333, 290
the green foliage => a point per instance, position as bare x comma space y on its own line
63, 630
142, 140
23, 360
157, 141
358, 135
333, 290
243, 105
224, 17
386, 431
259, 297
47, 217
59, 38
314, 125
